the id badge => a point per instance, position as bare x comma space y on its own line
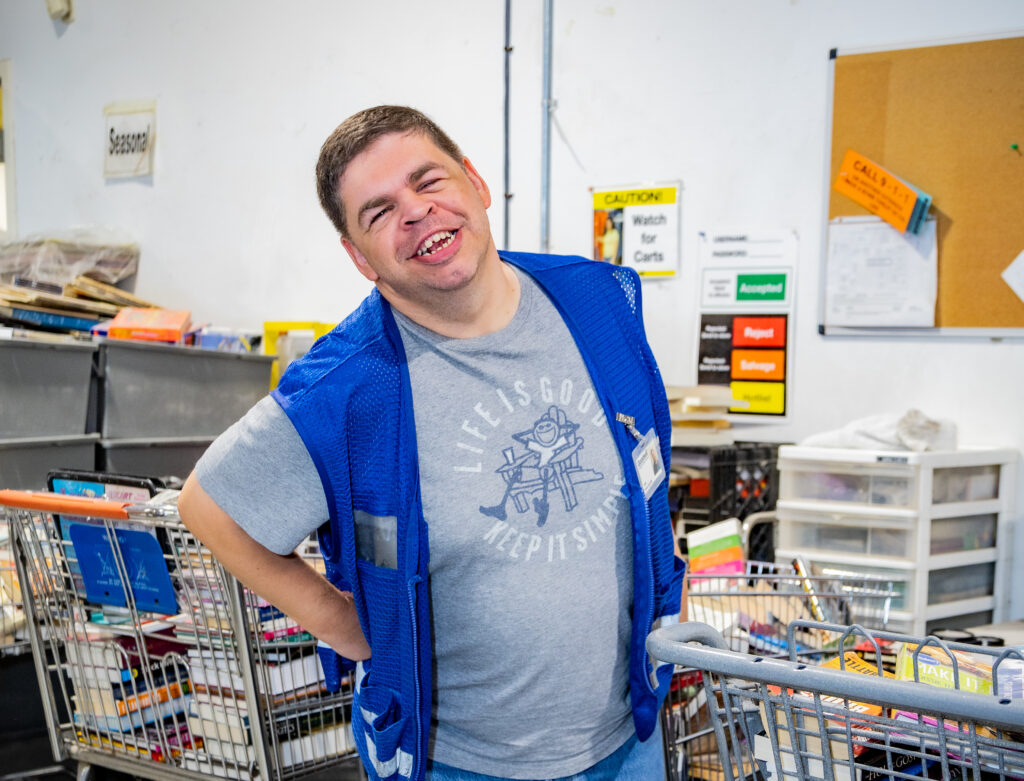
650, 467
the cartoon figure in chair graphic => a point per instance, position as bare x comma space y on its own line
550, 463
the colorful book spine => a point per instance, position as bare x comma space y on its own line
716, 549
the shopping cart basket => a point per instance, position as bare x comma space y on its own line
13, 635
787, 719
153, 661
753, 611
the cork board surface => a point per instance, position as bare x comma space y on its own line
944, 118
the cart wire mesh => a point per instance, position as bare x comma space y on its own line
774, 719
13, 632
762, 612
215, 683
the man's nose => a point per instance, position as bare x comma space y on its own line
415, 207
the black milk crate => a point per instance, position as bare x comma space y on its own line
743, 478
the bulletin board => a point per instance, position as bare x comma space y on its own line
948, 119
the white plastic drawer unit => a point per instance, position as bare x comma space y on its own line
939, 523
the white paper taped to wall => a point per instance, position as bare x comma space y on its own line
877, 276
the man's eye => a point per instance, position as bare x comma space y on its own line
429, 184
379, 214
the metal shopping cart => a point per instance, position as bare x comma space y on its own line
13, 636
753, 611
777, 719
153, 661
23, 745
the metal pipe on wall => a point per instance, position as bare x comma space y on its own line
508, 59
545, 172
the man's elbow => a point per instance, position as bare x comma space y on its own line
198, 512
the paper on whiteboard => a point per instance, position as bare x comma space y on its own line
876, 276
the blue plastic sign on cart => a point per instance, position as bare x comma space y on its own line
143, 561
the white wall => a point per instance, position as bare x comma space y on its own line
727, 96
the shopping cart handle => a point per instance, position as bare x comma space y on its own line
660, 642
63, 503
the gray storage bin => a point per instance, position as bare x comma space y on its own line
157, 390
44, 388
24, 462
150, 457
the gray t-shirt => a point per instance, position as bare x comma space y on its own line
530, 540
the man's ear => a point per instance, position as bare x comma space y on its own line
478, 182
359, 260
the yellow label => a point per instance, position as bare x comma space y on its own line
766, 398
620, 199
876, 190
656, 273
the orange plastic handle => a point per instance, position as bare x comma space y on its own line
63, 503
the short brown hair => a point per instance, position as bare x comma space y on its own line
354, 135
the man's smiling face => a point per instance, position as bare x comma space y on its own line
416, 218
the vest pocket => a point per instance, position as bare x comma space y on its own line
380, 716
383, 724
668, 600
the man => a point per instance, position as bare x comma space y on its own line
465, 444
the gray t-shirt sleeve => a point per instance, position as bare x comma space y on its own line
260, 473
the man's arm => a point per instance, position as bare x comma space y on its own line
287, 582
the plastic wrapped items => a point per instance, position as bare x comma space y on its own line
60, 257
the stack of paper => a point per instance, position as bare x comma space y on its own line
699, 414
716, 549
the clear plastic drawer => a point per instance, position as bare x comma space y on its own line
955, 583
886, 485
972, 532
951, 584
858, 535
901, 580
965, 484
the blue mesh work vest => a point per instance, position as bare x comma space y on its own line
351, 402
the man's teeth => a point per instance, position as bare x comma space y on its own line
438, 241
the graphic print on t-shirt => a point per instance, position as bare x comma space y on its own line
548, 463
537, 462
